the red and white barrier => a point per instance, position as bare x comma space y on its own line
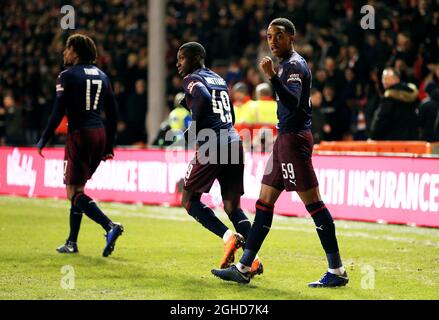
367, 188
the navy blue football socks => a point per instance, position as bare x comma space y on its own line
240, 222
75, 223
89, 207
204, 215
326, 230
259, 230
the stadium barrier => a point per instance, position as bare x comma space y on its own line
400, 190
412, 147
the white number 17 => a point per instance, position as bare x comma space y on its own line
87, 94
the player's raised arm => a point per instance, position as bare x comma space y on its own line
58, 111
289, 93
110, 108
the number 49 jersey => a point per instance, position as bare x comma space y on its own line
84, 91
216, 111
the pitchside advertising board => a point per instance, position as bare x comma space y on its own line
379, 189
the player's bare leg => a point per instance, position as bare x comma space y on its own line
336, 275
269, 195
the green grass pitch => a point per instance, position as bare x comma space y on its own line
165, 254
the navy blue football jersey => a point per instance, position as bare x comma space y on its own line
86, 89
293, 109
82, 93
207, 97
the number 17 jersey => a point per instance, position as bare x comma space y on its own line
84, 90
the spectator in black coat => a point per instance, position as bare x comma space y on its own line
428, 116
318, 117
396, 118
134, 129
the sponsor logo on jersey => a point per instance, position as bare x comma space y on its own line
294, 77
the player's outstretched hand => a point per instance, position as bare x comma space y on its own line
266, 65
40, 152
108, 156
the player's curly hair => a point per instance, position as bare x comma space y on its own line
84, 46
287, 24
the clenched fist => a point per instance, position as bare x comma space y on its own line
266, 66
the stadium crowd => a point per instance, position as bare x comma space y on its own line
350, 98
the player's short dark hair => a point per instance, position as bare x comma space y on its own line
284, 22
194, 49
84, 46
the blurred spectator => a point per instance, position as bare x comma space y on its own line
333, 74
132, 127
31, 43
406, 36
174, 87
318, 117
240, 94
173, 128
2, 121
265, 106
245, 115
428, 115
233, 74
265, 109
121, 98
13, 121
336, 115
352, 95
320, 79
396, 118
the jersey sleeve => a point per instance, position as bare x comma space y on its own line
110, 108
58, 111
289, 87
201, 97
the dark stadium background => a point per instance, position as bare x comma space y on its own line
139, 40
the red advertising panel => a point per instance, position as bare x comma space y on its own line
389, 189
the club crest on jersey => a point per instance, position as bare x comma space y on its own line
191, 85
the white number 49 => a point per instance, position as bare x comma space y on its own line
222, 106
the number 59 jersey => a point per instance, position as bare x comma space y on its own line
216, 110
84, 90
